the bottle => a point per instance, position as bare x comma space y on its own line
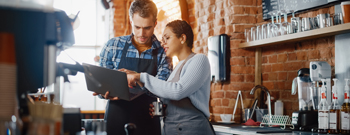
334, 111
278, 107
345, 110
323, 111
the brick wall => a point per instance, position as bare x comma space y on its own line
280, 63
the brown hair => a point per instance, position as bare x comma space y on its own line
145, 8
180, 27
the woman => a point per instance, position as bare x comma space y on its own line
187, 90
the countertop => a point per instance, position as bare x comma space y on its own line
238, 129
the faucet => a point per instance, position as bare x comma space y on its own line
268, 97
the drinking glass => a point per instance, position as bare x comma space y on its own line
263, 31
284, 25
272, 27
247, 35
253, 33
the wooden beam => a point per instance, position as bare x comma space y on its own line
258, 62
184, 10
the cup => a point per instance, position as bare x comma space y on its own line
345, 7
338, 18
296, 24
226, 117
253, 33
305, 24
260, 114
247, 35
321, 20
158, 108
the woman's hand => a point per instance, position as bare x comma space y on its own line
133, 77
106, 96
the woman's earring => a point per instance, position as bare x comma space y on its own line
182, 42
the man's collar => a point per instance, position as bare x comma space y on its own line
154, 40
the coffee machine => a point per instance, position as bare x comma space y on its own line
306, 118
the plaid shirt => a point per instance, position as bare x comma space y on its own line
111, 54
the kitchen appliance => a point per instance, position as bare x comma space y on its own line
303, 83
321, 70
306, 118
219, 57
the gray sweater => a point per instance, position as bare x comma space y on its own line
194, 83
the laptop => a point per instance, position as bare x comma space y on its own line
100, 80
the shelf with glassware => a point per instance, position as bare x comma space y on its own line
297, 30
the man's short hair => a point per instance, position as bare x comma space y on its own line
145, 8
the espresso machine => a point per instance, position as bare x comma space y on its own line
306, 118
321, 70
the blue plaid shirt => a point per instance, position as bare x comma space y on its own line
111, 54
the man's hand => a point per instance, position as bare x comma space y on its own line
106, 96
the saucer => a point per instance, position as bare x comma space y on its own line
226, 122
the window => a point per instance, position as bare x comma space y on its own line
90, 36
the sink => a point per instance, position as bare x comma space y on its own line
239, 129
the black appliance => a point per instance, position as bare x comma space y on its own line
219, 57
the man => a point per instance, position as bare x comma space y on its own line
140, 52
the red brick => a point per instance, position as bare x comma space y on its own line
295, 105
301, 55
229, 32
264, 59
218, 86
325, 53
292, 56
314, 54
287, 105
207, 3
218, 94
293, 66
219, 22
212, 86
240, 27
292, 75
220, 13
269, 85
249, 78
290, 47
234, 10
219, 5
237, 36
282, 76
210, 17
282, 57
215, 102
237, 61
218, 110
237, 78
272, 76
266, 68
234, 43
241, 86
269, 50
219, 30
333, 52
242, 52
211, 33
275, 94
226, 86
272, 59
265, 76
231, 94
280, 85
228, 110
277, 67
241, 2
233, 19
225, 102
251, 10
250, 60
242, 70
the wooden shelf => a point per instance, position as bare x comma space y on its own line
317, 33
